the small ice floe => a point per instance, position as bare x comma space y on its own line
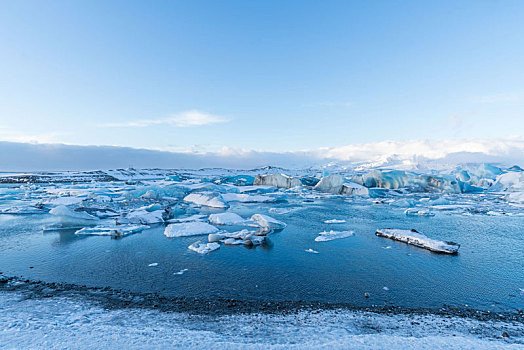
67, 215
181, 272
244, 237
418, 212
115, 231
21, 210
419, 240
334, 221
226, 219
144, 216
195, 217
204, 248
185, 229
207, 199
267, 222
68, 200
248, 198
385, 288
311, 251
331, 235
153, 264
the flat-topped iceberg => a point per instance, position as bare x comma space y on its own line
331, 235
226, 219
419, 240
203, 248
248, 198
68, 215
207, 199
277, 180
115, 231
186, 229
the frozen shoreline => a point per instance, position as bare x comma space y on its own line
62, 322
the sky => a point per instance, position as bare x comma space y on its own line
269, 76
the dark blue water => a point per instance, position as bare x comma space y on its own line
487, 273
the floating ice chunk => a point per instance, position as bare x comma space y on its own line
257, 189
418, 212
114, 230
21, 210
331, 235
153, 264
247, 198
517, 197
385, 288
181, 272
334, 221
195, 217
277, 180
204, 248
65, 201
268, 222
330, 184
311, 251
143, 217
226, 219
419, 240
512, 181
440, 201
189, 229
354, 189
207, 199
67, 215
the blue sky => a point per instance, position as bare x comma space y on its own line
266, 75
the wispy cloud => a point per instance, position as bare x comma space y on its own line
180, 120
329, 104
497, 98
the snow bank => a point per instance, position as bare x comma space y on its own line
419, 240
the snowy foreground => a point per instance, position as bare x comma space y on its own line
59, 323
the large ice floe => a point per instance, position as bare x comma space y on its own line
226, 219
184, 229
115, 231
207, 199
417, 239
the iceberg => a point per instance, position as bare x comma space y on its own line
207, 199
245, 237
418, 212
115, 231
330, 184
277, 180
226, 219
144, 217
67, 215
331, 235
354, 189
413, 237
185, 229
203, 248
267, 222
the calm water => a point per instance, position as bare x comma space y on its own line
488, 273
